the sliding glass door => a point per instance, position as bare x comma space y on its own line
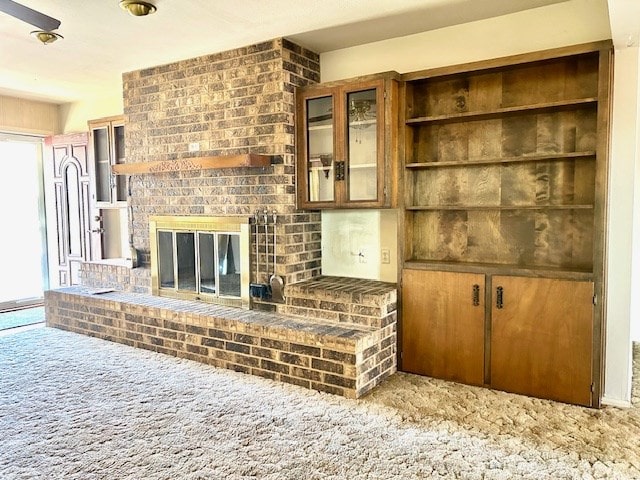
22, 233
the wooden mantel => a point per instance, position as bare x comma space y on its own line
193, 163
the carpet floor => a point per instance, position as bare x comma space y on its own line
75, 407
21, 318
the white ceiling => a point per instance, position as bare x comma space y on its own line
101, 41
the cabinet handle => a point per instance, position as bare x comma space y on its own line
499, 297
339, 171
476, 295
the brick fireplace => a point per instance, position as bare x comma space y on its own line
229, 103
333, 334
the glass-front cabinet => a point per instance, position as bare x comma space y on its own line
346, 135
110, 225
107, 142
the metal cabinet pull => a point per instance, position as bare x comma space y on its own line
476, 295
339, 171
499, 297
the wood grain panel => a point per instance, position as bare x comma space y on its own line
519, 135
484, 139
541, 340
442, 330
546, 238
485, 92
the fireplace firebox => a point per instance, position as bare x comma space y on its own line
201, 258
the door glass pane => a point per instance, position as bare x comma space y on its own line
229, 264
320, 149
74, 212
21, 249
102, 166
207, 263
165, 260
121, 183
186, 256
362, 146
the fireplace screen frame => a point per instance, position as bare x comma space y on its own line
196, 225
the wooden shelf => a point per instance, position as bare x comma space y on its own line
193, 163
499, 268
502, 160
501, 112
499, 207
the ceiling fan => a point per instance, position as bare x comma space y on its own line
45, 23
28, 15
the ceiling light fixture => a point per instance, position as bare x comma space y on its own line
138, 8
46, 37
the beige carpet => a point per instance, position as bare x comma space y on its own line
73, 407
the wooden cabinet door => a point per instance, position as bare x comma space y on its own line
443, 325
541, 338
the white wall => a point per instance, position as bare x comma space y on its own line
352, 244
635, 265
620, 232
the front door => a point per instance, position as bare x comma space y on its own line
68, 213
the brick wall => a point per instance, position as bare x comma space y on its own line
234, 102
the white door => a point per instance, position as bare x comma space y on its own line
68, 213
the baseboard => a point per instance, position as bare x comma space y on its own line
613, 402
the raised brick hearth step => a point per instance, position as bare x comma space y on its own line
343, 300
343, 358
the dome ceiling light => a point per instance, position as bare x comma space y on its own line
138, 8
46, 37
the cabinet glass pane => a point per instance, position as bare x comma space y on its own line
320, 149
229, 264
362, 146
165, 260
121, 183
102, 166
186, 255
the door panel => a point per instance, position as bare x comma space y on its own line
442, 329
541, 338
67, 201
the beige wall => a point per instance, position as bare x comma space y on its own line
27, 116
568, 23
74, 116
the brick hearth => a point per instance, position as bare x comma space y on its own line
339, 357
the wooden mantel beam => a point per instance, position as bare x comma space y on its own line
194, 163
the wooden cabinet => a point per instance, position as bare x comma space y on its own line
505, 168
535, 337
347, 143
107, 148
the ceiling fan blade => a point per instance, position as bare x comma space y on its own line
28, 15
